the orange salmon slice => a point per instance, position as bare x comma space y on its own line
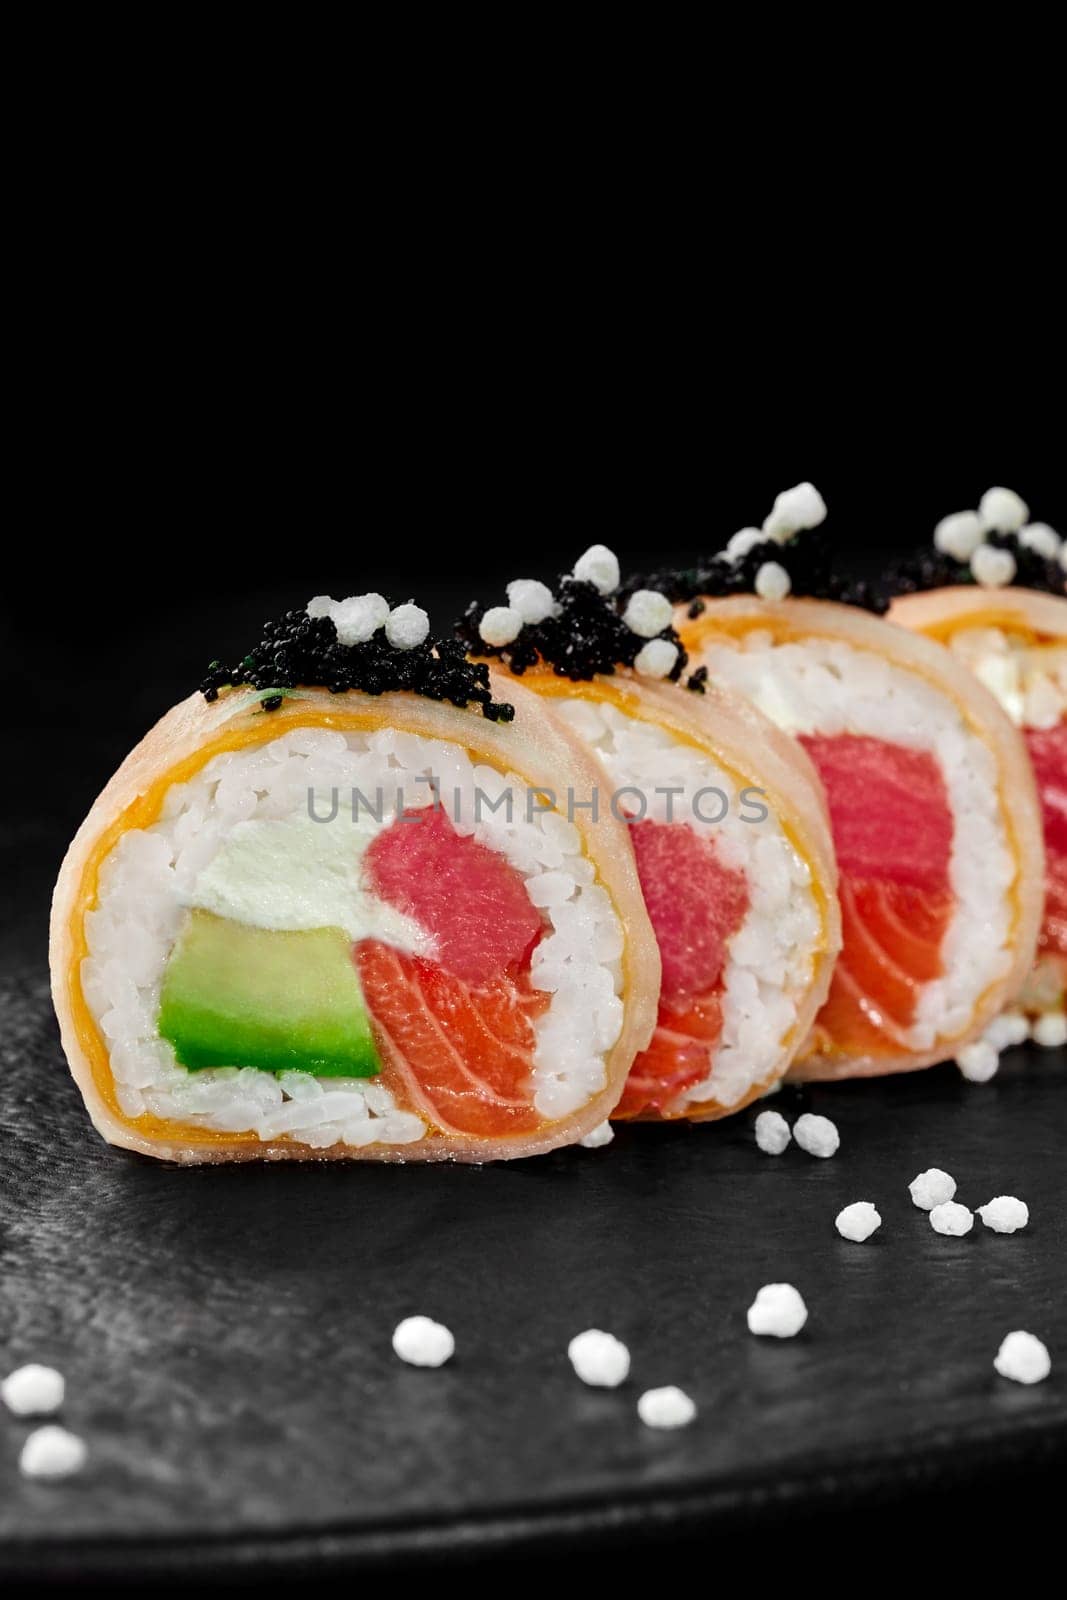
461, 1056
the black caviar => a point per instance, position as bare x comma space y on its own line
300, 650
808, 557
587, 636
930, 568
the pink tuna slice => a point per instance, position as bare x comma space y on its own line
468, 897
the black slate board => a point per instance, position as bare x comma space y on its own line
225, 1331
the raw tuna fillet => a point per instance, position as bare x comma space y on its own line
467, 896
456, 1033
695, 904
1048, 752
892, 828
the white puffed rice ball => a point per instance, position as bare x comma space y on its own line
600, 567
666, 1408
992, 568
33, 1391
359, 617
772, 1132
817, 1135
656, 658
406, 627
1010, 1028
599, 1358
952, 1218
857, 1221
501, 625
777, 1311
647, 613
744, 540
959, 535
978, 1061
1050, 1030
1023, 1358
52, 1452
1005, 1214
773, 581
1003, 510
320, 606
533, 601
795, 509
1040, 538
598, 1137
931, 1188
423, 1342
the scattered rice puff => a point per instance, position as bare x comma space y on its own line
858, 1221
599, 1358
951, 1218
979, 1061
421, 1342
777, 1311
666, 1408
772, 1132
52, 1452
931, 1188
33, 1391
1005, 1214
1050, 1030
1023, 1358
817, 1135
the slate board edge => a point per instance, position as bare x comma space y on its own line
813, 1487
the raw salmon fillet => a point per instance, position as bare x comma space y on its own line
695, 904
892, 828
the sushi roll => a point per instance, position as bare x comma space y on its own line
727, 821
934, 811
995, 597
324, 909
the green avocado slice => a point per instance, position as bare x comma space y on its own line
237, 996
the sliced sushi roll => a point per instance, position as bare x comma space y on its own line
935, 817
1003, 615
729, 827
329, 922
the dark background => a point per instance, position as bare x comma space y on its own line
176, 495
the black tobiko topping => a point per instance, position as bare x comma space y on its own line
930, 568
808, 557
301, 651
698, 680
587, 636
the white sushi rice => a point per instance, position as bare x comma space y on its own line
771, 956
828, 687
151, 877
1030, 681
